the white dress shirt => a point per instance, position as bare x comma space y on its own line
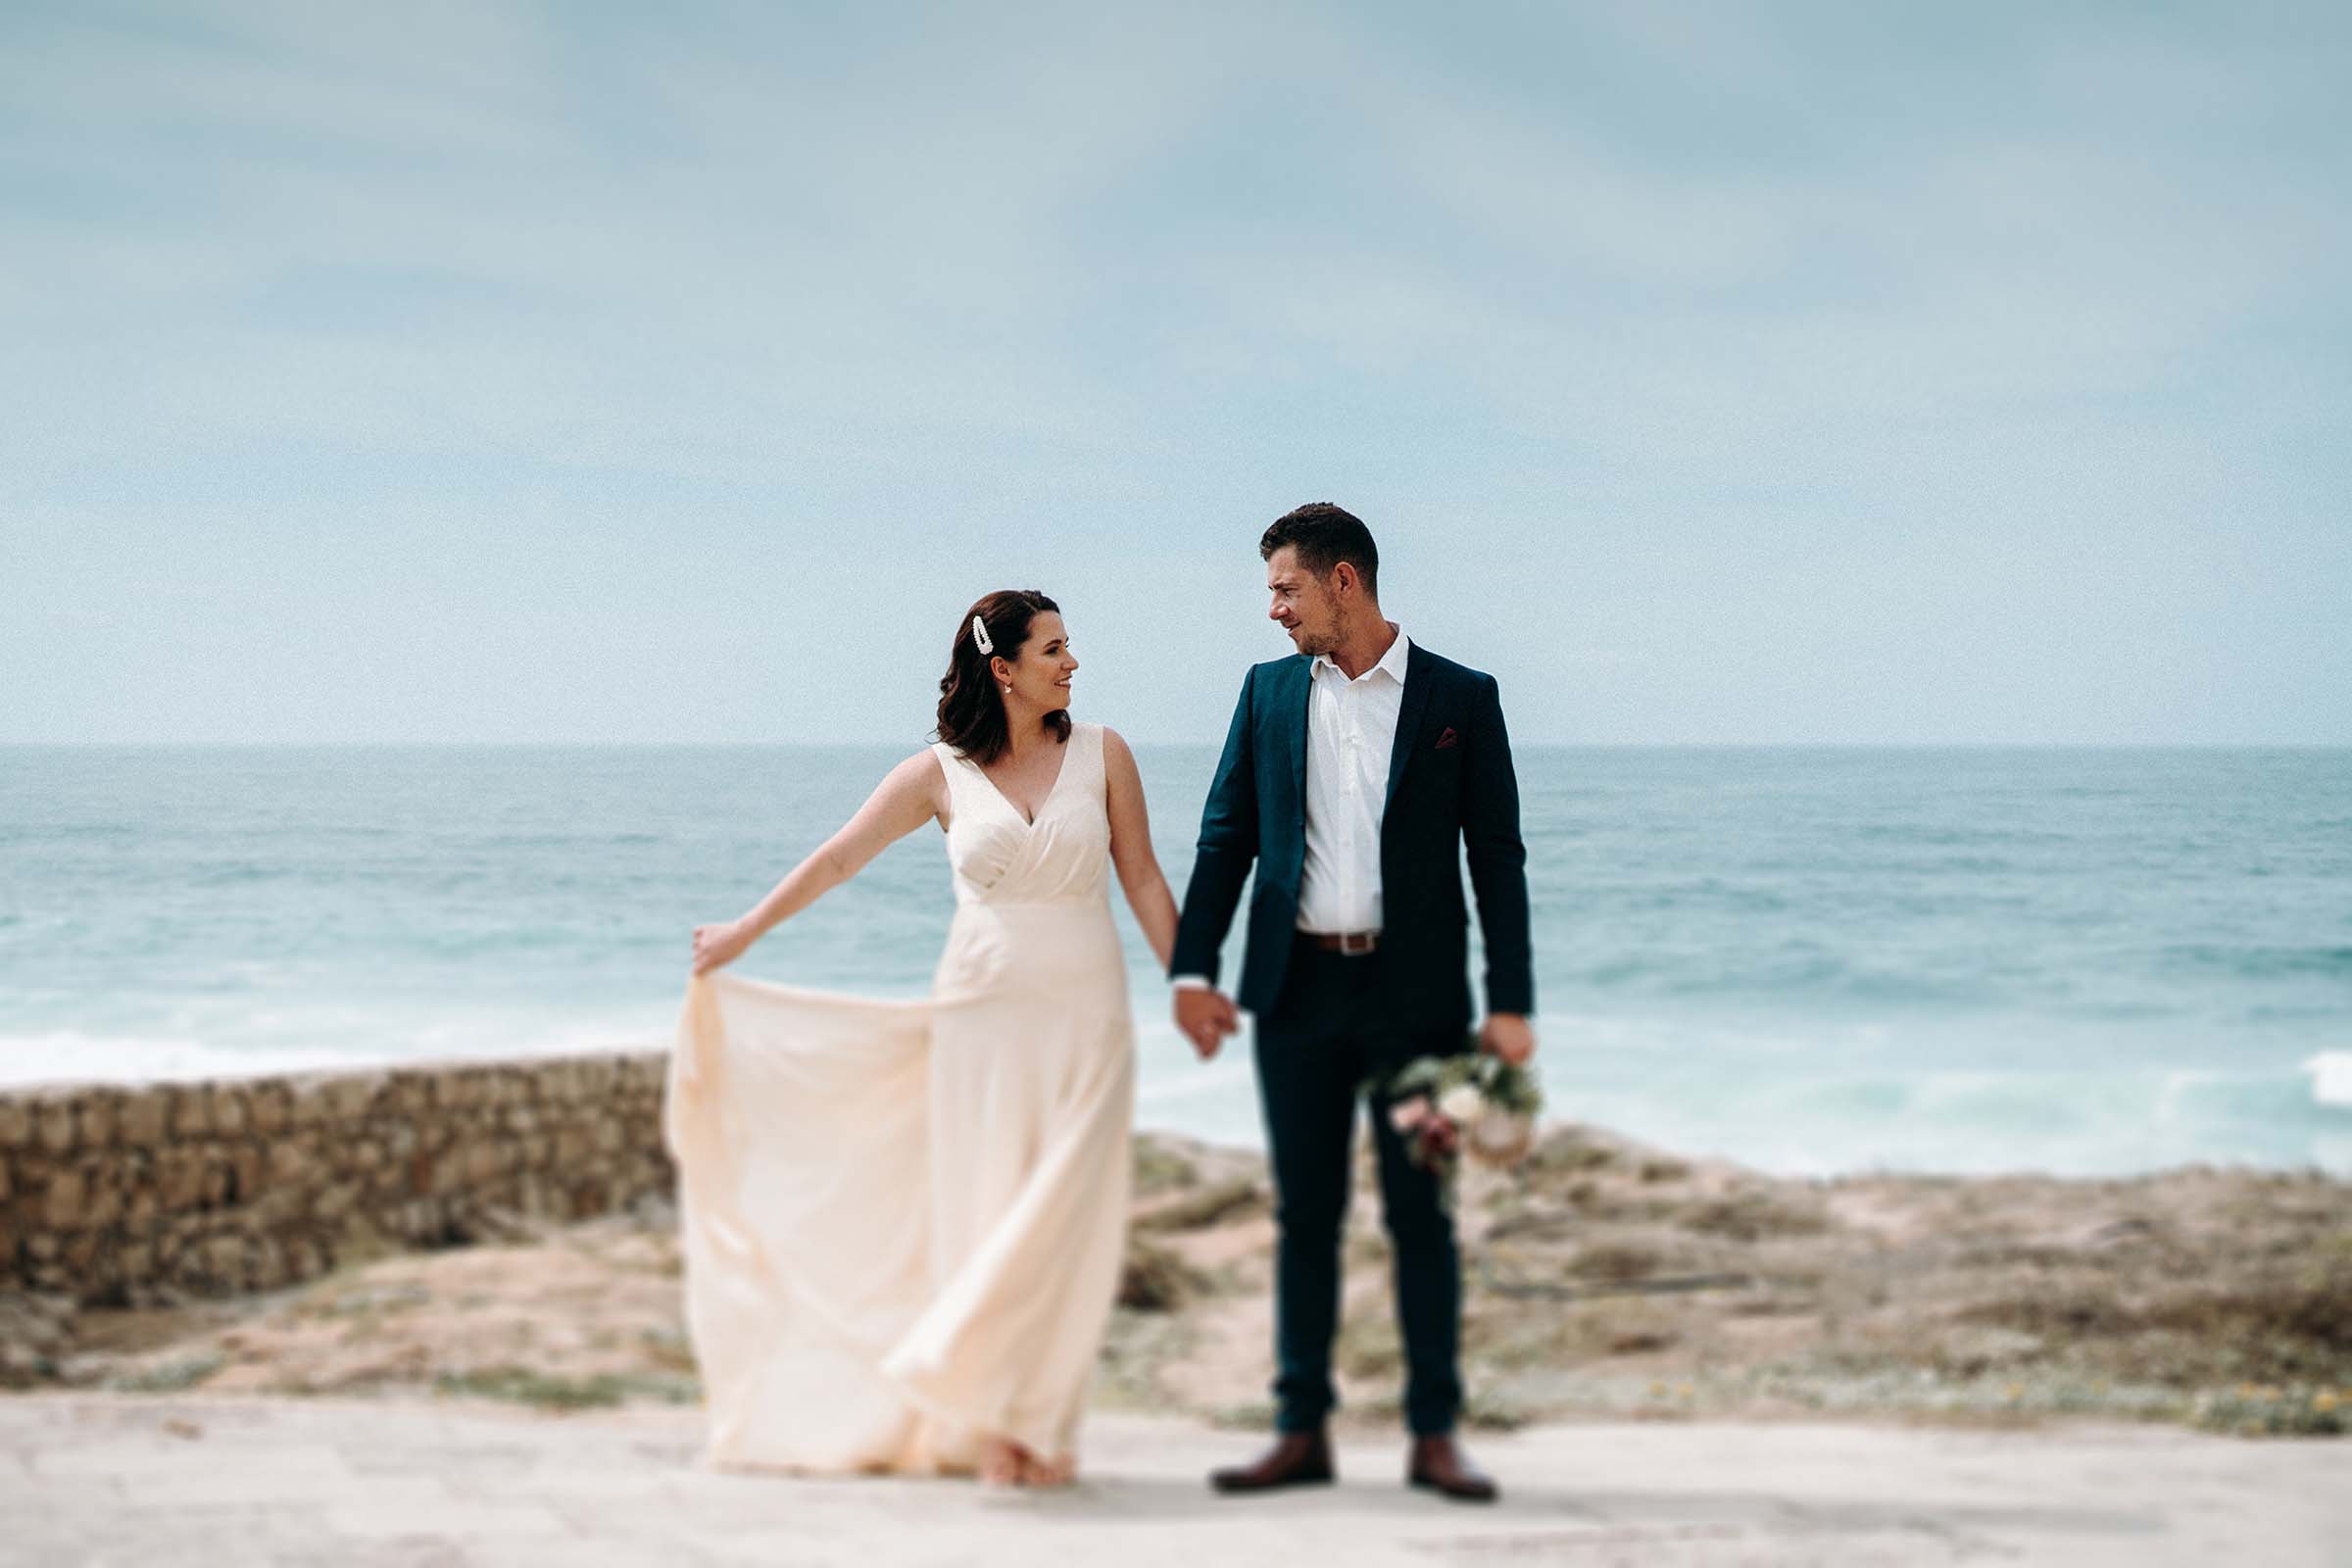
1350, 729
1351, 732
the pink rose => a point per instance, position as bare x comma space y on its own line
1408, 1114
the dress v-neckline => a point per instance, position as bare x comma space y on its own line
1044, 801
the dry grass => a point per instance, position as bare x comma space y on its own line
1602, 1278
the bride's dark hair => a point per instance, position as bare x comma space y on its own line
971, 712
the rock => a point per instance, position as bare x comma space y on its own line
333, 1202
53, 1125
191, 1110
180, 1180
81, 1371
1970, 1350
224, 1258
100, 1110
311, 1104
22, 1366
35, 1328
143, 1116
350, 1096
1154, 1279
246, 1160
63, 1205
102, 1204
1209, 1205
291, 1163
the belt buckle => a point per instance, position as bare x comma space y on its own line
1348, 943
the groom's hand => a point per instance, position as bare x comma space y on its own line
1508, 1035
1205, 1017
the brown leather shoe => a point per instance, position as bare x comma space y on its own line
1435, 1463
1296, 1459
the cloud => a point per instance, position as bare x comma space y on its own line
1894, 316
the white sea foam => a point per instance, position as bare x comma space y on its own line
2331, 1078
64, 1056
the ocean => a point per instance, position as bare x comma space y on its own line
1811, 959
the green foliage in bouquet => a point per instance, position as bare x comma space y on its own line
1506, 1088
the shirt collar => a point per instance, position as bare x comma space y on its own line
1392, 662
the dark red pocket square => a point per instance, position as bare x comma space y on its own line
1450, 737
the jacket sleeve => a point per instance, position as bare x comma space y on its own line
1227, 848
1497, 856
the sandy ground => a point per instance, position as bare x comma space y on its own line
1671, 1361
90, 1478
1604, 1280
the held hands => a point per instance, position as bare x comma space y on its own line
718, 944
1508, 1035
1205, 1017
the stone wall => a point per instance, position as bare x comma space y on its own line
137, 1196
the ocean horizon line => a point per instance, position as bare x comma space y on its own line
1518, 744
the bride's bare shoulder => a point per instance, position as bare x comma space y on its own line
924, 773
920, 784
1117, 755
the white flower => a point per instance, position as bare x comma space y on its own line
1461, 1104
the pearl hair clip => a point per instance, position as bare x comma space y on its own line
980, 636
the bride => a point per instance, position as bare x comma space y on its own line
902, 1222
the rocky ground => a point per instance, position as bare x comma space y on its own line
1604, 1280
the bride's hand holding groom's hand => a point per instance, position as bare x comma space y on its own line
719, 945
1508, 1035
1205, 1017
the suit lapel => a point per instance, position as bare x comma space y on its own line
1418, 678
1301, 701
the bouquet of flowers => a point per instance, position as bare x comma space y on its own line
1474, 1103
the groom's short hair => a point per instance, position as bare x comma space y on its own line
1323, 535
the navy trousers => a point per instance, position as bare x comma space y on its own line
1317, 1053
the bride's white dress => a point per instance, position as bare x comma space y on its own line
902, 1221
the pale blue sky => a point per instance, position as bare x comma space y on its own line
1743, 374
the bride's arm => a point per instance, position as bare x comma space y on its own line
1138, 870
913, 792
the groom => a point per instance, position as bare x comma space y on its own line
1351, 775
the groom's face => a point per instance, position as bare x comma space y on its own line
1303, 603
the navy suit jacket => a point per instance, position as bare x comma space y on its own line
1451, 784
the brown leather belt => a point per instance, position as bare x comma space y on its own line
1354, 944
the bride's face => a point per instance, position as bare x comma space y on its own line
1041, 675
